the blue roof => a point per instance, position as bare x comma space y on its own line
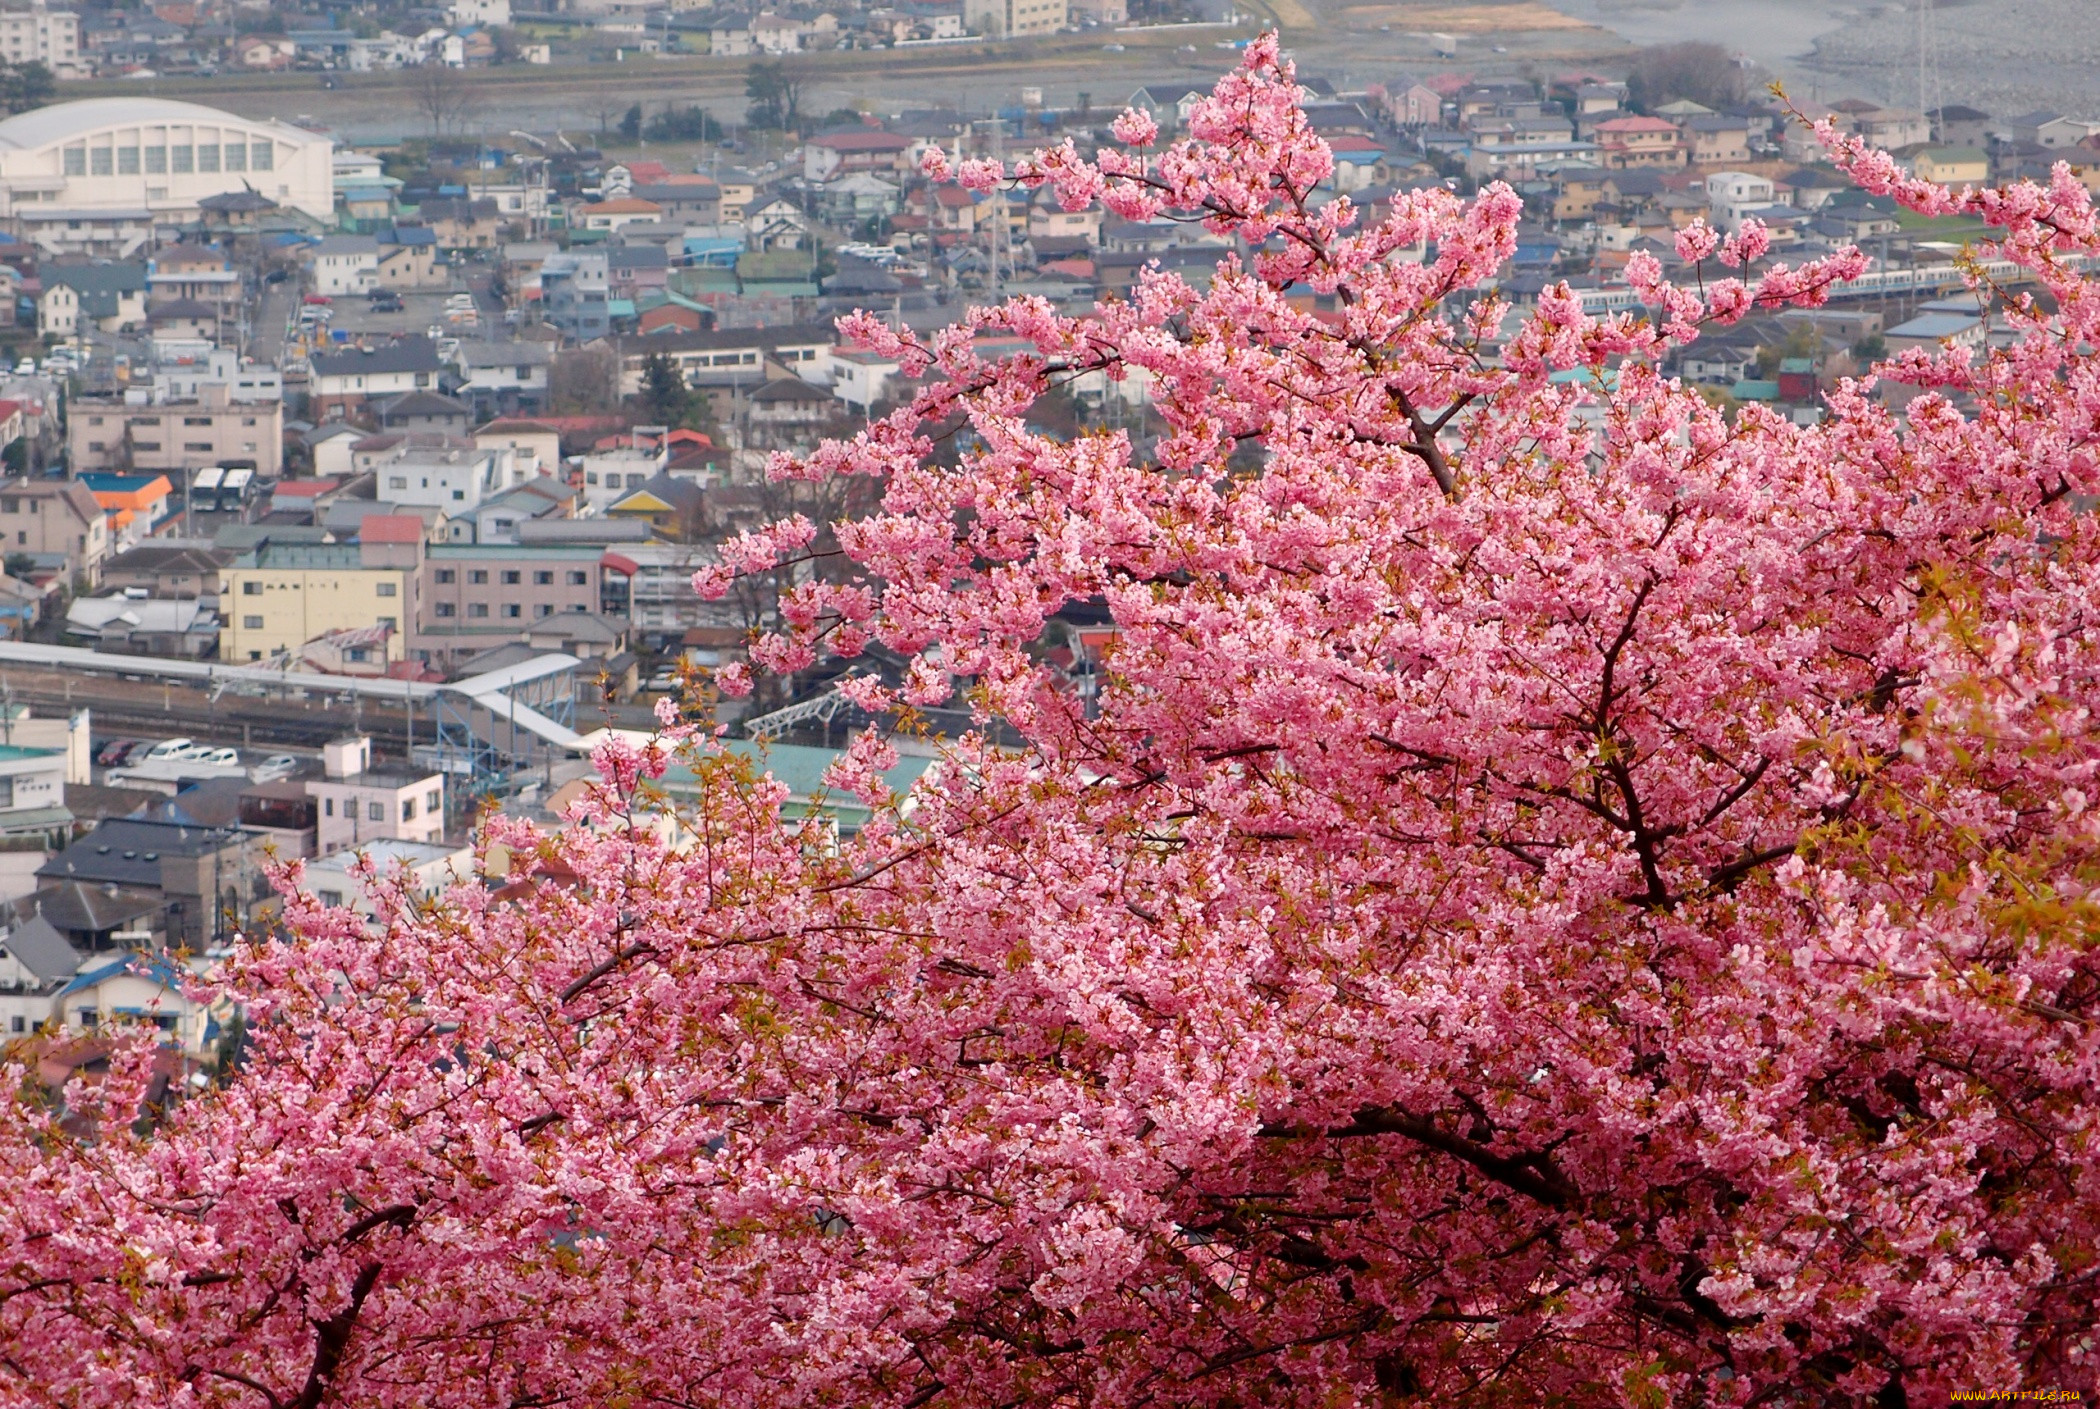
156, 969
414, 235
111, 482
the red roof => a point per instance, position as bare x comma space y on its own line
304, 488
1637, 124
628, 206
391, 528
647, 172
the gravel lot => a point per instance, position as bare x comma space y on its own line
2003, 56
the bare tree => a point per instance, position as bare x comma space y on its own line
1704, 73
443, 95
584, 381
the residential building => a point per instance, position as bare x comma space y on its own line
454, 480
1952, 166
615, 214
608, 474
356, 264
1957, 126
1717, 140
174, 437
36, 961
474, 596
576, 293
201, 880
361, 803
282, 595
167, 570
1640, 141
1893, 128
344, 382
833, 154
503, 378
42, 36
2043, 129
1733, 196
109, 296
336, 879
57, 520
1014, 19
135, 989
725, 357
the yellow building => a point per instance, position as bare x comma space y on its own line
1953, 166
287, 594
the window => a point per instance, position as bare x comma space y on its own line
478, 609
386, 589
259, 157
543, 577
101, 161
328, 808
579, 578
446, 609
156, 161
196, 445
333, 899
13, 504
433, 800
251, 623
375, 812
196, 420
459, 494
76, 161
511, 577
388, 622
183, 159
397, 482
251, 588
145, 445
408, 809
478, 575
97, 445
447, 575
127, 161
236, 156
543, 609
512, 610
7, 792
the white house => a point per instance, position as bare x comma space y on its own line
452, 480
1733, 196
335, 879
360, 804
134, 988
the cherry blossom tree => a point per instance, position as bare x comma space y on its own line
1563, 899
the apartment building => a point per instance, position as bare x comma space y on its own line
477, 595
284, 595
1010, 19
40, 36
360, 803
55, 519
112, 433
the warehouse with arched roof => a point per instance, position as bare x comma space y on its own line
154, 158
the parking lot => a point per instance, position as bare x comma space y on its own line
464, 310
122, 760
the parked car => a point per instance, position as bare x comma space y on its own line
109, 752
224, 758
275, 276
128, 751
318, 300
169, 748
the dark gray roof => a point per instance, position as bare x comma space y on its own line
42, 950
407, 355
150, 557
424, 405
127, 850
789, 389
74, 908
